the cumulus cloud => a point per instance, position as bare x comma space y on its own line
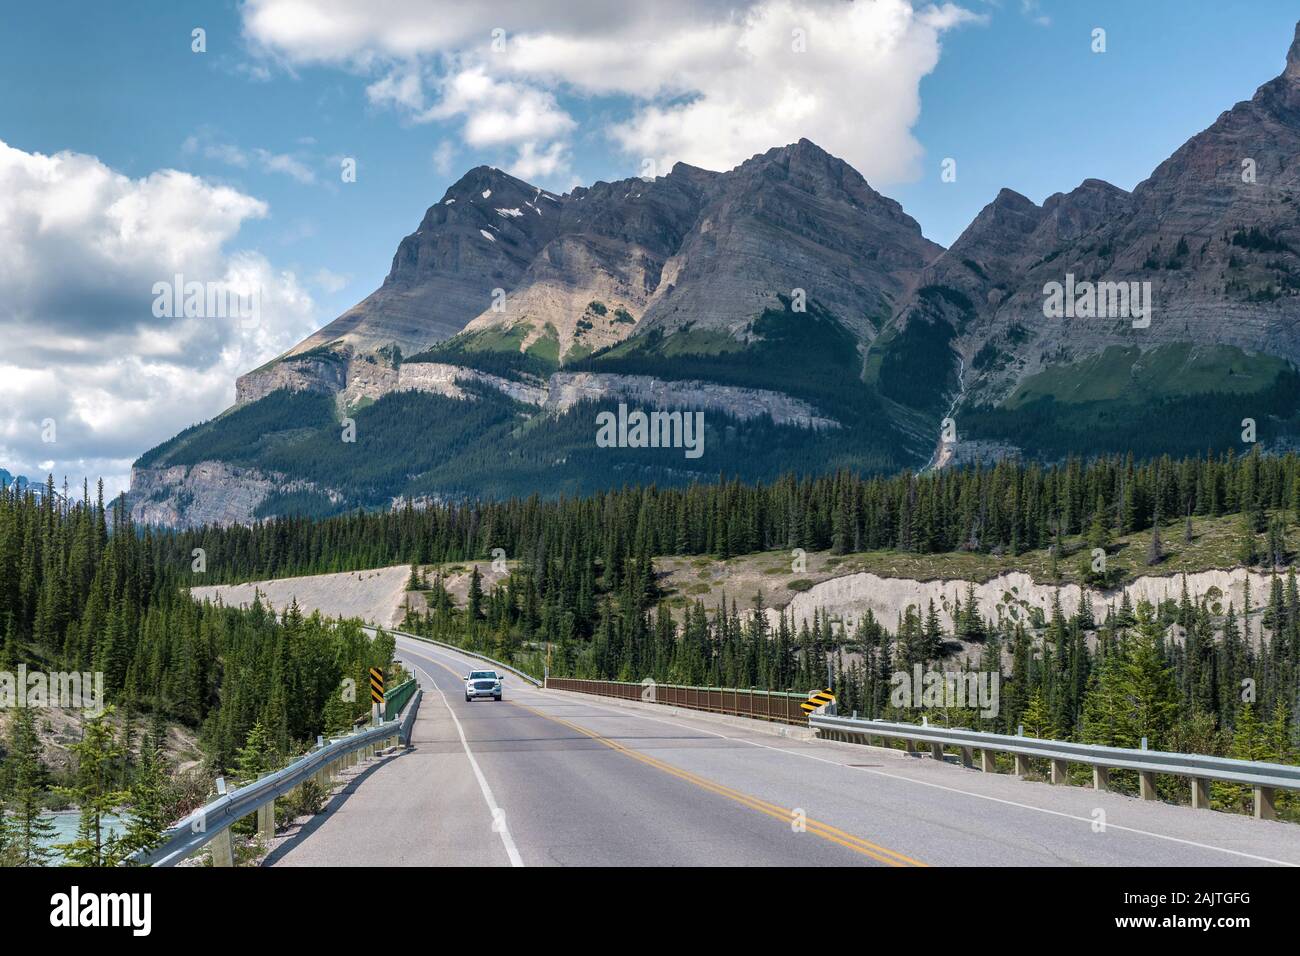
87, 345
709, 83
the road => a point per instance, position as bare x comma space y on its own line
545, 778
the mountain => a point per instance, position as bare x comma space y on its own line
1214, 230
802, 312
24, 485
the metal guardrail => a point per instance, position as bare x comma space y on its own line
460, 650
211, 823
774, 705
1264, 778
408, 718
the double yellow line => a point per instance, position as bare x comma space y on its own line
785, 815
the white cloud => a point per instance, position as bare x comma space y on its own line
288, 165
402, 87
329, 281
499, 113
710, 83
443, 156
1030, 9
540, 163
493, 113
264, 159
84, 247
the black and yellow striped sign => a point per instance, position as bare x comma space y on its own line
818, 698
376, 685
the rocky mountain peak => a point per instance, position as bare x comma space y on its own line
1292, 71
483, 179
806, 164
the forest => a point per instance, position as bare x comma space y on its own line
1189, 675
83, 590
1007, 509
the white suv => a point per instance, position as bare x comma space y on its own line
483, 684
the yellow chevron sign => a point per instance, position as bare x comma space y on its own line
376, 685
818, 698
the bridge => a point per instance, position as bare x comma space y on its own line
554, 778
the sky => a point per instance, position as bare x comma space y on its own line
278, 155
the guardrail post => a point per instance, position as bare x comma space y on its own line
222, 852
266, 820
1100, 778
1060, 772
1147, 784
1022, 765
987, 763
936, 751
1200, 793
1265, 804
910, 747
967, 757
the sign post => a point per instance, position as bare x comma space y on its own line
376, 695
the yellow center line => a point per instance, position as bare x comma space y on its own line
785, 815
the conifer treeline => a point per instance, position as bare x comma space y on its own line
1189, 675
1010, 507
81, 590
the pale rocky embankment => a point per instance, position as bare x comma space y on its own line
376, 596
1012, 595
379, 596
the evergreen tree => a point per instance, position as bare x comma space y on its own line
148, 799
97, 752
30, 829
258, 755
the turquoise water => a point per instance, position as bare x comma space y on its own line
65, 828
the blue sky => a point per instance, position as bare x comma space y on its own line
411, 90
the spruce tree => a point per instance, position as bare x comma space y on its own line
97, 754
30, 828
149, 801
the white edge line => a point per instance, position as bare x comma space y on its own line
498, 815
622, 712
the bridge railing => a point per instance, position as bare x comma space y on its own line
211, 824
1264, 778
395, 698
775, 705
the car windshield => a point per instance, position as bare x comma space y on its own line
483, 675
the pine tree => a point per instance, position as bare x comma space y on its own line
149, 801
258, 755
1037, 719
1148, 686
96, 753
1250, 741
1155, 550
31, 830
7, 855
475, 602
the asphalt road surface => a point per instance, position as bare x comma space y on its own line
545, 778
